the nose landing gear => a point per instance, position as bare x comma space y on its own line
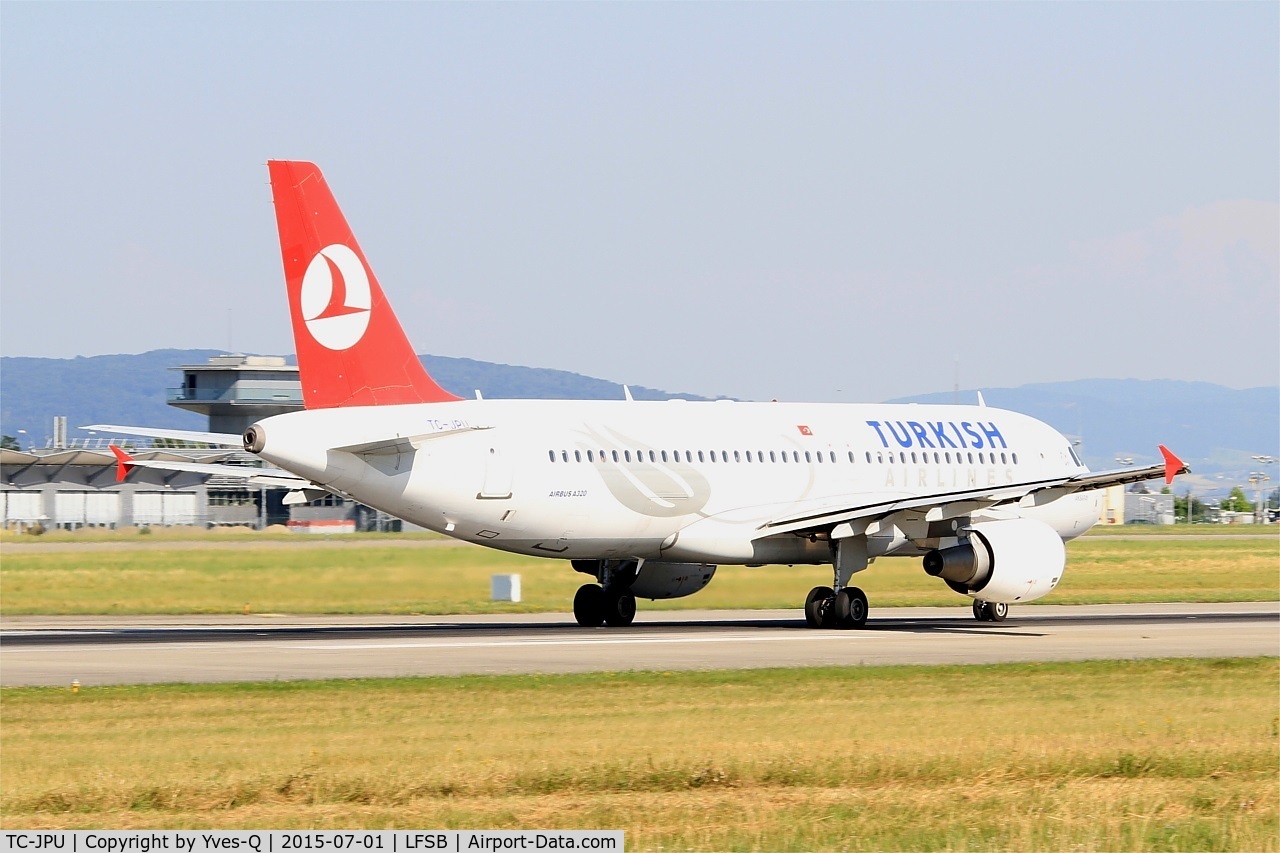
990, 611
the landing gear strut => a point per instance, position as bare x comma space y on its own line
609, 602
990, 611
843, 606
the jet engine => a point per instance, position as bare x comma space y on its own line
1009, 561
671, 580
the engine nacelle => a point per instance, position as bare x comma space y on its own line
671, 580
1004, 561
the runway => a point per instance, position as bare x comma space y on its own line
135, 650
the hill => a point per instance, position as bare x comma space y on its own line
1212, 427
131, 389
1216, 429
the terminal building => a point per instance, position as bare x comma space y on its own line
71, 483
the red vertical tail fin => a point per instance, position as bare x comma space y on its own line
351, 348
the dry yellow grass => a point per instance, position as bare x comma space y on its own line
1121, 756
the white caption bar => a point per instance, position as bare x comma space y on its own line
325, 841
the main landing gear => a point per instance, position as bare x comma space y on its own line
826, 608
840, 605
594, 605
990, 611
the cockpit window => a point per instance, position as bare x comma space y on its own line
1074, 458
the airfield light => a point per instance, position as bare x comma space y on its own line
1259, 480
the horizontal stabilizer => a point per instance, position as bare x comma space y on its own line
255, 476
217, 439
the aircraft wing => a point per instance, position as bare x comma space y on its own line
856, 517
217, 439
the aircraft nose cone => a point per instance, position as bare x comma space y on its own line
255, 438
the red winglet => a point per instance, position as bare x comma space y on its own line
1172, 465
124, 463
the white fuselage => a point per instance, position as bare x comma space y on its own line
674, 480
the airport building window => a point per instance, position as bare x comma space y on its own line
231, 497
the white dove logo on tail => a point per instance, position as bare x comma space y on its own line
335, 297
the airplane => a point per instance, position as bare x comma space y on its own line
648, 498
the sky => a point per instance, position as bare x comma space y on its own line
813, 201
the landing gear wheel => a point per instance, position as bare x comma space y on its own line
816, 605
851, 606
588, 605
990, 611
619, 608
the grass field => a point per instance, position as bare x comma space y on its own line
1156, 755
369, 576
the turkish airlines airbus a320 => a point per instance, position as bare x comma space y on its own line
649, 497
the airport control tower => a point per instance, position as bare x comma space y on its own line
233, 391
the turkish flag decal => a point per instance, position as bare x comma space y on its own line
804, 430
